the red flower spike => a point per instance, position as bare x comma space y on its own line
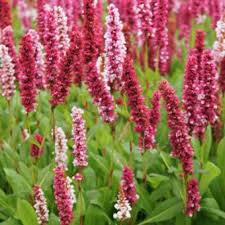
179, 138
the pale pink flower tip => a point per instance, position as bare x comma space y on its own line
79, 134
40, 205
123, 207
62, 30
60, 148
115, 49
7, 72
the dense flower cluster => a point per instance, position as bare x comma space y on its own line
90, 49
193, 197
39, 60
222, 76
210, 87
128, 185
139, 111
64, 196
7, 73
101, 96
219, 45
28, 72
130, 16
25, 14
115, 50
154, 115
190, 89
179, 138
51, 40
162, 12
184, 21
5, 14
145, 22
7, 39
62, 30
40, 205
200, 42
123, 207
99, 28
60, 148
196, 7
79, 134
64, 78
41, 18
76, 41
35, 150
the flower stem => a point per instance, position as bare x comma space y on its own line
112, 158
53, 122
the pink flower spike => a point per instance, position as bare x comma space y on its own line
115, 49
154, 115
64, 196
39, 59
41, 19
99, 91
200, 41
136, 102
193, 198
7, 73
60, 148
90, 46
128, 185
40, 205
68, 64
5, 14
122, 206
79, 135
191, 89
25, 14
179, 138
210, 87
145, 17
77, 42
62, 30
7, 39
28, 72
51, 40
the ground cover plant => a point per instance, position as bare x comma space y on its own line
112, 112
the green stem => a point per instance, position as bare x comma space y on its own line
27, 124
112, 158
10, 119
53, 122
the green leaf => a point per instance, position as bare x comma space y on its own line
197, 147
156, 179
11, 221
206, 146
5, 203
182, 219
26, 213
18, 183
165, 211
80, 205
53, 219
216, 212
96, 216
211, 171
221, 160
